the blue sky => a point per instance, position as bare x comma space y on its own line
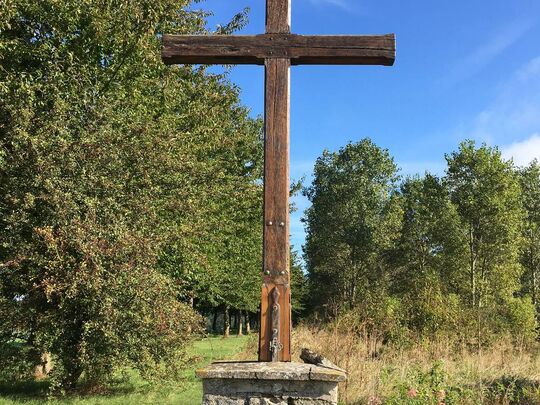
464, 69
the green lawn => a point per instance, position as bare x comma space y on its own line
136, 391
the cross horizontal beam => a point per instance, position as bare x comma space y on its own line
300, 49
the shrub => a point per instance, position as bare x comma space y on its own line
431, 387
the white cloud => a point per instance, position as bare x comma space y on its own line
515, 112
523, 152
471, 64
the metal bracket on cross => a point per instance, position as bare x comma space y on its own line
278, 277
275, 345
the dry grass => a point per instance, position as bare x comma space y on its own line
425, 372
377, 372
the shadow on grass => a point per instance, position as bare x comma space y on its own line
129, 387
24, 389
31, 390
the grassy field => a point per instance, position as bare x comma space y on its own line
135, 390
426, 373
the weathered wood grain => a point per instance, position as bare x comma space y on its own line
278, 16
276, 204
300, 49
265, 332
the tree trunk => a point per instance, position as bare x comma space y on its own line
534, 265
240, 323
214, 321
234, 323
226, 322
472, 267
248, 323
534, 281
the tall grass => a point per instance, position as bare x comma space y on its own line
425, 372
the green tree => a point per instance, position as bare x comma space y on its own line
299, 287
530, 258
428, 255
353, 220
486, 192
113, 168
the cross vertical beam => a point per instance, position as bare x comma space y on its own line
276, 195
278, 49
278, 16
276, 208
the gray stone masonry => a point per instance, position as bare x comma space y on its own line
254, 383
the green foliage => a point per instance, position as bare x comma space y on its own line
518, 319
127, 187
299, 287
486, 193
353, 216
513, 390
429, 387
18, 360
530, 255
427, 258
436, 386
443, 257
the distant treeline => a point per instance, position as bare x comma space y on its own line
422, 256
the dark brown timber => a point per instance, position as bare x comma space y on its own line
300, 49
276, 279
278, 17
277, 50
276, 206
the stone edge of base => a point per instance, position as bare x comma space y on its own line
270, 371
226, 400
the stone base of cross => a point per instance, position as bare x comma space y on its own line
277, 50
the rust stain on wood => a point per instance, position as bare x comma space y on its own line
265, 335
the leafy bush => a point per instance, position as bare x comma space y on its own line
513, 390
431, 387
103, 151
518, 319
18, 361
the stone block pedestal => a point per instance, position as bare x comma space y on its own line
253, 383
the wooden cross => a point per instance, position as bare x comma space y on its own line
277, 50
